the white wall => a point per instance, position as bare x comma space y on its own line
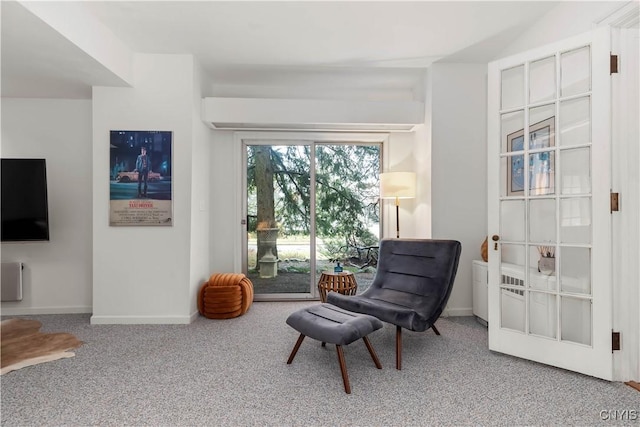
225, 200
144, 274
200, 191
567, 19
57, 275
401, 155
458, 167
422, 155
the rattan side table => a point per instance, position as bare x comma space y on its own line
343, 282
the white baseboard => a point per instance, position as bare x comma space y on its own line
23, 311
457, 312
140, 320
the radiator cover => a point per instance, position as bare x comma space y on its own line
11, 278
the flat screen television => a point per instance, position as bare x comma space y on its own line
24, 207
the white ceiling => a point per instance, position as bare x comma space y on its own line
381, 44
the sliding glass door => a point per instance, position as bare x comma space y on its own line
309, 206
278, 198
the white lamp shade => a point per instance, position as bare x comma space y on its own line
398, 184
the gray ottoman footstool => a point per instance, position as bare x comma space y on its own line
328, 323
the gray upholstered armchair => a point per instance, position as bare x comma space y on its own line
411, 288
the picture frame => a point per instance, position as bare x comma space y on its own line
140, 184
541, 163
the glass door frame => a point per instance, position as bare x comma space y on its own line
241, 140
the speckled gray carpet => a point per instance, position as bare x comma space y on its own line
234, 373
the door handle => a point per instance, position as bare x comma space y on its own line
495, 238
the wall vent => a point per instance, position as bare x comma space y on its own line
312, 114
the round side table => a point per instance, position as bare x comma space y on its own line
343, 282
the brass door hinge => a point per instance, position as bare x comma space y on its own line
613, 64
615, 202
615, 341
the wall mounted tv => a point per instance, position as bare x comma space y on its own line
24, 208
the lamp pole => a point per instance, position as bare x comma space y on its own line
397, 185
397, 217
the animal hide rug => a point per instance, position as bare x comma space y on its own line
24, 345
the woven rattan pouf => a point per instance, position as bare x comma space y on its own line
225, 295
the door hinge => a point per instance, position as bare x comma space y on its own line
615, 341
613, 64
615, 202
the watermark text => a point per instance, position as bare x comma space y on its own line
619, 415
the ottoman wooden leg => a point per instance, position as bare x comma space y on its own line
295, 349
398, 348
343, 369
372, 352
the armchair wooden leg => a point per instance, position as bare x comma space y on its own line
398, 348
372, 352
295, 349
343, 369
435, 329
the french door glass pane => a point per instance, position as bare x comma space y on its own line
542, 221
543, 314
575, 121
512, 172
512, 220
575, 220
575, 320
575, 177
512, 87
542, 80
542, 128
513, 259
542, 269
575, 72
512, 309
576, 270
542, 172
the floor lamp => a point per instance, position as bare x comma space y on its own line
397, 185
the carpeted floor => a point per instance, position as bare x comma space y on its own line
234, 373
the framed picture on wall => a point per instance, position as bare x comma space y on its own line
140, 170
540, 164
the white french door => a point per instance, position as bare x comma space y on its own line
550, 281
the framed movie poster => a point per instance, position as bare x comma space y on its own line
140, 178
